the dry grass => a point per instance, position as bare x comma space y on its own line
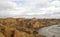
21, 27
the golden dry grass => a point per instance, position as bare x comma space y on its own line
21, 27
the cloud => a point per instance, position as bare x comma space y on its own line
55, 3
10, 9
38, 8
50, 11
33, 3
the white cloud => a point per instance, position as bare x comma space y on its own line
51, 10
8, 8
33, 5
55, 3
30, 7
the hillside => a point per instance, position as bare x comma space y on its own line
22, 27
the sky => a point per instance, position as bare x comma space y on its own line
30, 8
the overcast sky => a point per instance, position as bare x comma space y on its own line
30, 8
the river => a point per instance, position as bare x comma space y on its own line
50, 31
